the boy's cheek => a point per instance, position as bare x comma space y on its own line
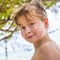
23, 35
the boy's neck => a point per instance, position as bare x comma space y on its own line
42, 41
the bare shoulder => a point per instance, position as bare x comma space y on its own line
50, 46
47, 51
50, 51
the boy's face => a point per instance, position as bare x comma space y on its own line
32, 28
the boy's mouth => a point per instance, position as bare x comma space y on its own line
30, 36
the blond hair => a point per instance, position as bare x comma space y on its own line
34, 7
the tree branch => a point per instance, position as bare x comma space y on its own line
9, 36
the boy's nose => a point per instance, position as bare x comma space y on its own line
28, 30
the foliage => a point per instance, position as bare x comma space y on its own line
48, 4
6, 7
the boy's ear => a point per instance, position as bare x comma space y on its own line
46, 22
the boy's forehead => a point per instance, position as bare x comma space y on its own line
26, 17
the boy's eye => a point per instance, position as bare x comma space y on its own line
31, 24
22, 27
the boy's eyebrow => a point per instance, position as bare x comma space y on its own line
19, 24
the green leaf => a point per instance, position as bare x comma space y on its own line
48, 4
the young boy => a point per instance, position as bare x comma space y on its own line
33, 23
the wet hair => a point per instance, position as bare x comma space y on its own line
35, 8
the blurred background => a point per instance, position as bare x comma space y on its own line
12, 45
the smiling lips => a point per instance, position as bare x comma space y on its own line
30, 36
